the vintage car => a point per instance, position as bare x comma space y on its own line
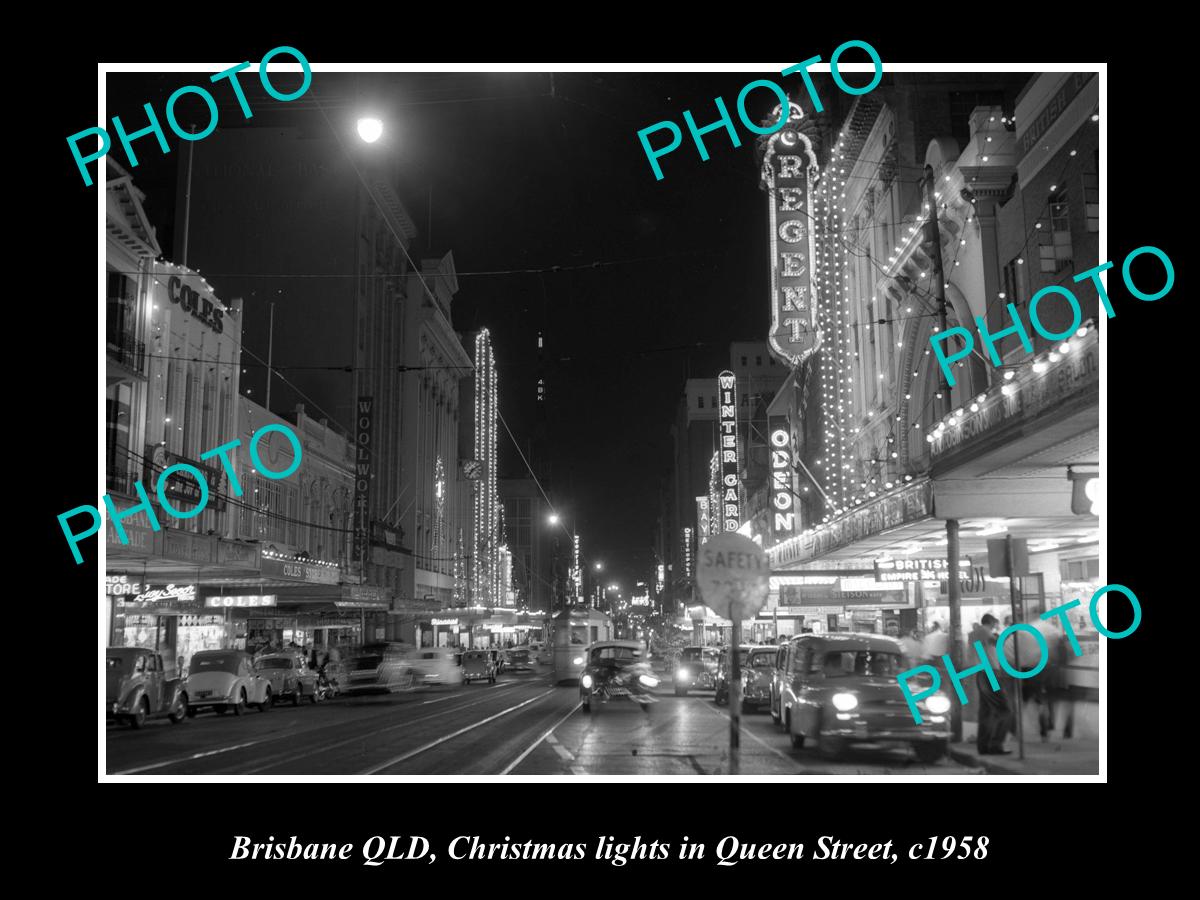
222, 680
290, 676
695, 669
137, 687
757, 665
437, 665
616, 670
841, 689
520, 659
376, 667
478, 665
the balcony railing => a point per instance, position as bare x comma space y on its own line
123, 346
127, 351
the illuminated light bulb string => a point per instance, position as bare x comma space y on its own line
994, 393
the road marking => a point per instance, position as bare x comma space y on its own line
281, 737
411, 753
280, 758
548, 737
193, 756
754, 737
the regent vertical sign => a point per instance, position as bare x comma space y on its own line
731, 514
788, 172
783, 497
362, 478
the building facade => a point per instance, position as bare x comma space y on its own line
902, 478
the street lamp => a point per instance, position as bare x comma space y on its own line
370, 129
553, 520
599, 566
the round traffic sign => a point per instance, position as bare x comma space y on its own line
732, 576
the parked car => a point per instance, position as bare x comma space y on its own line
695, 669
478, 665
378, 667
616, 670
436, 665
137, 687
757, 664
840, 689
222, 680
290, 676
520, 659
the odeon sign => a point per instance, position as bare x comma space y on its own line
781, 483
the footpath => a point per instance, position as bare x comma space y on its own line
1056, 756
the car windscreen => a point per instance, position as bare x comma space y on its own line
843, 663
217, 663
758, 659
274, 664
695, 654
120, 663
619, 655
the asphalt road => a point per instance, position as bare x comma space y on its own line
521, 725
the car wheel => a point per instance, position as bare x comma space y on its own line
314, 697
297, 694
747, 708
492, 680
797, 739
645, 707
191, 712
268, 701
181, 710
680, 691
931, 751
221, 709
587, 705
240, 706
830, 747
775, 716
138, 719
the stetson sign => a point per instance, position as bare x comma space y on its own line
789, 170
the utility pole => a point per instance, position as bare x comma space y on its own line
933, 244
270, 352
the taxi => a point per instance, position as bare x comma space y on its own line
835, 690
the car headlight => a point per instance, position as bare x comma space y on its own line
938, 703
684, 672
577, 661
648, 680
586, 681
845, 702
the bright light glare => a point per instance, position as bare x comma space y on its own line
370, 130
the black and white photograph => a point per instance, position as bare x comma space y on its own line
653, 422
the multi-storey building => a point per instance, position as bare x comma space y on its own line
895, 460
348, 265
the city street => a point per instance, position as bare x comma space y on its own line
521, 725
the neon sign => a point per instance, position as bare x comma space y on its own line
730, 509
782, 496
789, 171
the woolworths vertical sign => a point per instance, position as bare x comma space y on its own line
362, 478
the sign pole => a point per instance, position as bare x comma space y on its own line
735, 690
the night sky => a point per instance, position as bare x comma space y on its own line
638, 283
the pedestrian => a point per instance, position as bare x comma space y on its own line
910, 644
995, 713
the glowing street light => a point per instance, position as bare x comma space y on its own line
370, 129
553, 518
599, 566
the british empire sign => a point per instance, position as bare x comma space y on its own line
789, 170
